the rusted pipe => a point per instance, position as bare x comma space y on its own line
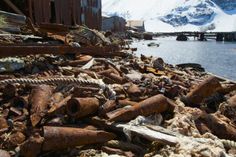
85, 91
39, 100
56, 138
107, 107
116, 78
219, 126
81, 107
205, 89
59, 108
105, 72
155, 104
228, 109
127, 102
227, 89
134, 90
32, 147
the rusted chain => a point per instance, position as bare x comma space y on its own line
62, 80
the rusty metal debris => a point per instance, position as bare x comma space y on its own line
80, 107
39, 100
65, 101
71, 137
207, 88
155, 104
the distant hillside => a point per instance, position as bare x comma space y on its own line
177, 15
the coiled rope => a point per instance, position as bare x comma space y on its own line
62, 80
229, 144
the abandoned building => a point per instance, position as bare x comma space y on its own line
114, 24
136, 25
64, 12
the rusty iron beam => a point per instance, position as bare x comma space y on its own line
23, 50
13, 7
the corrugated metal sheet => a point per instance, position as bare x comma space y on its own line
67, 12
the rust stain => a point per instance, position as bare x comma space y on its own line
67, 12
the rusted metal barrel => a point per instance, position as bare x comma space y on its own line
56, 138
80, 107
39, 100
155, 104
205, 89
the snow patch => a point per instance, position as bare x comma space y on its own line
176, 15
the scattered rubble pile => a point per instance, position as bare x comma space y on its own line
90, 105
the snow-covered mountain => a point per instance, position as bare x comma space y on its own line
176, 15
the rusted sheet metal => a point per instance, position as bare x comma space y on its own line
67, 12
56, 138
39, 100
42, 11
81, 107
205, 89
155, 104
22, 50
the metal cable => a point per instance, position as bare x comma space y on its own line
62, 80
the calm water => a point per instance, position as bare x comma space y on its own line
216, 57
